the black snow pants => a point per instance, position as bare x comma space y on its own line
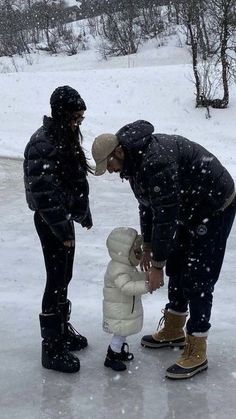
194, 266
59, 266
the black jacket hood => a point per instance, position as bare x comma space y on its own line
134, 138
135, 135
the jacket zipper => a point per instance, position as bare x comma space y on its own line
133, 304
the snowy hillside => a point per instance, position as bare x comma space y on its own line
156, 85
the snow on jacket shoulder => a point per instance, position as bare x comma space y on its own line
123, 286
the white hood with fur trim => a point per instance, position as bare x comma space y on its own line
123, 285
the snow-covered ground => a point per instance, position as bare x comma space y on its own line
27, 391
115, 93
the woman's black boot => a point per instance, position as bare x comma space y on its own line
55, 354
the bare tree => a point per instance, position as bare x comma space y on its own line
120, 28
223, 13
174, 11
12, 36
210, 27
151, 18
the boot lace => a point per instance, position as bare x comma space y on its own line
190, 351
72, 330
187, 352
162, 320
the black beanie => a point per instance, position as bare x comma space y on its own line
64, 101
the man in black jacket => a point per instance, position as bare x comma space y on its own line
56, 186
187, 207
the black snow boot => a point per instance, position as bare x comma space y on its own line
55, 354
114, 359
74, 340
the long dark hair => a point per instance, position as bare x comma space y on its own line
71, 141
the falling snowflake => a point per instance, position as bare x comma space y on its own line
116, 377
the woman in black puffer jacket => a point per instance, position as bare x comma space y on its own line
55, 176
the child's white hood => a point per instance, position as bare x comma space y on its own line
120, 242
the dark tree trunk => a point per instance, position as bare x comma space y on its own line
193, 42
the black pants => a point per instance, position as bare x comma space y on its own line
59, 266
194, 266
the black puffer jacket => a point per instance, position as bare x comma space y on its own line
55, 181
175, 181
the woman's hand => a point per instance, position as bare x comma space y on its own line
145, 263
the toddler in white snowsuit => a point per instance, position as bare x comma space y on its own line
123, 287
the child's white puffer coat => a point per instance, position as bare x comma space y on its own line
123, 286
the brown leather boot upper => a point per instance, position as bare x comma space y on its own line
173, 327
194, 352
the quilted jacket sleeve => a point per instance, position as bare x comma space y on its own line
78, 190
87, 221
131, 286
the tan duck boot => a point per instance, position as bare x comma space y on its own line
171, 335
193, 359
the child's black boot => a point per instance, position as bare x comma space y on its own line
114, 360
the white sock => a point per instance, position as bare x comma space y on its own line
117, 342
